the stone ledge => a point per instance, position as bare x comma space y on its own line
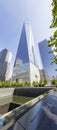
11, 117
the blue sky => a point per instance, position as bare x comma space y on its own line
12, 15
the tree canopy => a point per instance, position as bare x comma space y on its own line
53, 39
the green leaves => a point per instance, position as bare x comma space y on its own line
54, 81
35, 84
54, 13
53, 39
55, 33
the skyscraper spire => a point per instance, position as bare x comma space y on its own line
26, 48
25, 66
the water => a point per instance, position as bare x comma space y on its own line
43, 116
9, 103
14, 99
8, 107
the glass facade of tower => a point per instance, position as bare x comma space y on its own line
26, 54
22, 52
47, 58
3, 54
26, 49
5, 60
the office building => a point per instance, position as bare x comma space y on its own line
5, 60
46, 59
26, 64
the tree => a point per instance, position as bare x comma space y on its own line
54, 81
53, 39
45, 82
35, 83
41, 83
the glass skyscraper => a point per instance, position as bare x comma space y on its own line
26, 64
5, 60
46, 58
